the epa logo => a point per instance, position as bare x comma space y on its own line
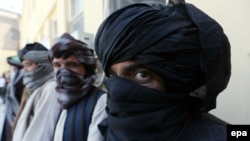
238, 134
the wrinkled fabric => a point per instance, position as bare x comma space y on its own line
184, 47
151, 111
37, 108
39, 116
80, 49
37, 53
72, 86
180, 43
74, 122
31, 52
34, 79
37, 56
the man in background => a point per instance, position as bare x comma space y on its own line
13, 93
74, 65
36, 121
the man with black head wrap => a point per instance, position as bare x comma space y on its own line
36, 121
165, 67
74, 66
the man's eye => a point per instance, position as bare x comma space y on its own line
142, 77
73, 65
25, 65
56, 65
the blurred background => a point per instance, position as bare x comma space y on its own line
25, 21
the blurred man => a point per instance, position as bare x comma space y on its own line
35, 119
74, 66
2, 88
13, 93
166, 65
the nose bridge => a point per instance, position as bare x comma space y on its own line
63, 66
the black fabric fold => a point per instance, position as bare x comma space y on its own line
143, 114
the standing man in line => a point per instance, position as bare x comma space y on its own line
165, 65
13, 93
37, 121
74, 66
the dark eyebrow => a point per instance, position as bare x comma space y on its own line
133, 68
129, 69
73, 62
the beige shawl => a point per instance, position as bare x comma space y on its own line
39, 117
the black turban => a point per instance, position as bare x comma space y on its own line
14, 61
183, 45
85, 55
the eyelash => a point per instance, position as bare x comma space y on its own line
141, 80
69, 65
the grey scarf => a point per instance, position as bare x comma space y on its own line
36, 78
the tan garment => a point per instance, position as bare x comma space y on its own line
39, 117
21, 107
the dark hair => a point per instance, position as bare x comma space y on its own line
29, 47
79, 49
63, 54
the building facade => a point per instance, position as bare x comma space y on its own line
9, 37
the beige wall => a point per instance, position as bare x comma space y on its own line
4, 66
34, 20
234, 102
93, 15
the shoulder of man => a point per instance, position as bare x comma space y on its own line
208, 127
47, 88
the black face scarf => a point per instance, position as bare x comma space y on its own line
143, 114
72, 86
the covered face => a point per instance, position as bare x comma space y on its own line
183, 45
74, 66
36, 65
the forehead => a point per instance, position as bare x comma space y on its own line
71, 58
27, 62
122, 67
